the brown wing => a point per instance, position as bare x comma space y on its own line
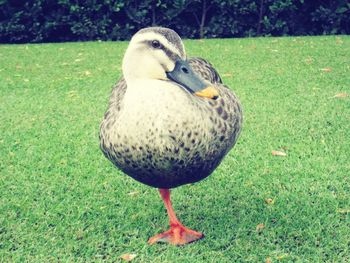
117, 96
205, 70
226, 110
111, 115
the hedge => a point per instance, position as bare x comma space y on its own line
77, 20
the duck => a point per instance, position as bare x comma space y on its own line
170, 120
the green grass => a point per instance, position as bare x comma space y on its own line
61, 200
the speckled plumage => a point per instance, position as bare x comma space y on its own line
175, 138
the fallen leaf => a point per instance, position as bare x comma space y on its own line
134, 216
72, 93
79, 234
282, 256
343, 211
268, 260
339, 41
87, 73
128, 257
341, 95
266, 171
260, 227
133, 193
309, 60
326, 69
278, 153
63, 162
269, 201
253, 46
227, 74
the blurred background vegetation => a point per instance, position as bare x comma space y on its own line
78, 20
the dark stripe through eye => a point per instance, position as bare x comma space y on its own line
157, 45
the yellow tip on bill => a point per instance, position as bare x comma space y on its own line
209, 92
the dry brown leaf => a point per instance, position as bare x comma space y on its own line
341, 95
63, 162
343, 211
309, 60
269, 201
128, 257
133, 193
339, 41
72, 93
79, 234
278, 153
87, 73
227, 74
282, 256
260, 227
327, 69
268, 260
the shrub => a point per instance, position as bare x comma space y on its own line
71, 20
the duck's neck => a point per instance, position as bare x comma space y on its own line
147, 91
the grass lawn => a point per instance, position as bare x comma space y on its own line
62, 200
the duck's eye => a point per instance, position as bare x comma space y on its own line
156, 44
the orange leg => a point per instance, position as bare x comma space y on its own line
178, 234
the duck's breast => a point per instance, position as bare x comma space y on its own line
165, 137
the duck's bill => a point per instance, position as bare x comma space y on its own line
185, 77
208, 92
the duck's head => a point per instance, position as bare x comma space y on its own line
158, 53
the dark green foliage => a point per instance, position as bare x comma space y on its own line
64, 20
69, 20
333, 18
